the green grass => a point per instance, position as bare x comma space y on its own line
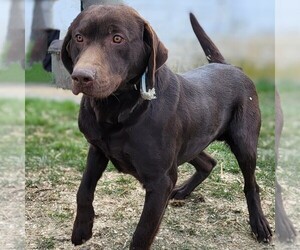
12, 74
120, 187
11, 131
61, 216
53, 140
37, 74
266, 147
46, 243
290, 139
12, 112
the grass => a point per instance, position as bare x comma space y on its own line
12, 173
12, 133
46, 243
288, 170
37, 74
290, 140
53, 140
214, 215
12, 74
12, 112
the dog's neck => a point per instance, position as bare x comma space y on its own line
127, 103
120, 107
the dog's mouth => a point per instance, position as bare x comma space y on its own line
76, 89
94, 82
95, 89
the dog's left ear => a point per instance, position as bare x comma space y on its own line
158, 54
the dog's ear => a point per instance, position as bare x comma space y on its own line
65, 52
158, 54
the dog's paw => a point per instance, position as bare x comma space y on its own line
284, 229
80, 236
261, 229
82, 231
179, 193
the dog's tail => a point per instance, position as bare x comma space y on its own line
211, 51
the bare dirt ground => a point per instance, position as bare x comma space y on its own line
12, 176
12, 218
201, 222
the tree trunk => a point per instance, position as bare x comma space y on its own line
15, 39
42, 25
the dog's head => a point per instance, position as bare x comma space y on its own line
108, 47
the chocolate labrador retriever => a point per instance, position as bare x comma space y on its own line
148, 120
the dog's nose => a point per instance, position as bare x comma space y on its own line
83, 76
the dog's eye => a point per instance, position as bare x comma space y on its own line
79, 38
117, 39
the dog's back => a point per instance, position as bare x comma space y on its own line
219, 76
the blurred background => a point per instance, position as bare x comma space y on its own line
244, 30
248, 24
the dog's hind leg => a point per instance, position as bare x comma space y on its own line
242, 138
203, 164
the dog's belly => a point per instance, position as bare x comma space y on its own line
192, 149
196, 136
124, 166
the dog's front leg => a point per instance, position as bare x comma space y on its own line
96, 164
157, 196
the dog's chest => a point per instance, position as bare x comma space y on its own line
113, 144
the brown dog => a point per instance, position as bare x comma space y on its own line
111, 53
